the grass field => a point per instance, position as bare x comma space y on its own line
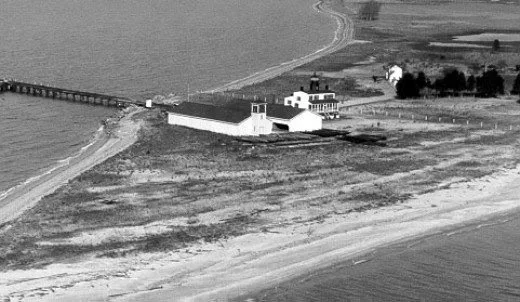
178, 186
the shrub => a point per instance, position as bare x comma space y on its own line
490, 84
407, 87
516, 85
496, 45
471, 82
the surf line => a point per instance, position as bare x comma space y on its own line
343, 35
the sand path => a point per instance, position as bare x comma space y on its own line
343, 36
25, 197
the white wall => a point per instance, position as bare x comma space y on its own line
394, 74
260, 124
305, 121
304, 103
246, 127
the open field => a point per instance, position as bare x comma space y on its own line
181, 206
177, 188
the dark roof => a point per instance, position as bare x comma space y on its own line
319, 91
282, 112
212, 112
233, 111
324, 101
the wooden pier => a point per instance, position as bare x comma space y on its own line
66, 94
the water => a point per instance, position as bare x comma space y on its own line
479, 262
131, 48
37, 133
140, 48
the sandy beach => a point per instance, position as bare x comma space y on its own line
104, 146
227, 268
343, 36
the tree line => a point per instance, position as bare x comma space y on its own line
454, 83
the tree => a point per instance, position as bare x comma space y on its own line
470, 83
496, 45
421, 80
439, 86
516, 85
407, 87
453, 81
369, 10
490, 84
461, 82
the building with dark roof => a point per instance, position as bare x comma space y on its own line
242, 118
320, 101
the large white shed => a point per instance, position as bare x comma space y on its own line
242, 118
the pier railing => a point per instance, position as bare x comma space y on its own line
40, 90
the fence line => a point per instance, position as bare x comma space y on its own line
471, 123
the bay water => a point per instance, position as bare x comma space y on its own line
135, 49
476, 262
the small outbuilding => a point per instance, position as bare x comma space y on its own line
394, 74
243, 118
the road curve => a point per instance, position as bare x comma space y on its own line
343, 36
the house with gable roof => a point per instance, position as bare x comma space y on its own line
319, 101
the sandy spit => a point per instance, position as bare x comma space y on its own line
104, 147
222, 270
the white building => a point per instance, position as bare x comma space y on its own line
242, 118
394, 74
322, 102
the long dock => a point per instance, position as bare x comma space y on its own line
66, 94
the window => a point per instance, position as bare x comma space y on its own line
310, 106
289, 102
296, 105
298, 98
255, 109
261, 109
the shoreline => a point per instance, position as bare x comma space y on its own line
339, 242
343, 36
24, 196
97, 136
250, 263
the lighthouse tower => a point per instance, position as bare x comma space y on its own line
315, 83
